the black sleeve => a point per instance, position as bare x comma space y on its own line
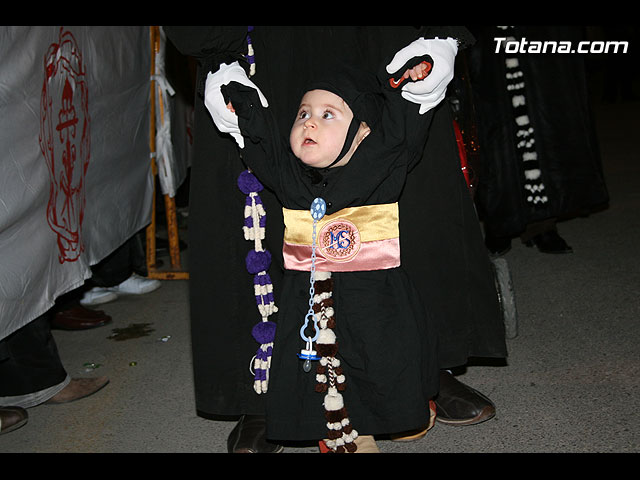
265, 151
401, 121
210, 46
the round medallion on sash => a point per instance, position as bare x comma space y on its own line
339, 240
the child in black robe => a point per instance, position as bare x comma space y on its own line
357, 314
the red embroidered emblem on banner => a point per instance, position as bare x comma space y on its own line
339, 240
65, 142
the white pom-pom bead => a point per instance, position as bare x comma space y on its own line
333, 403
326, 337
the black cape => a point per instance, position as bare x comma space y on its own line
559, 111
441, 241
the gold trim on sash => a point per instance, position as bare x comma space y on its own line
374, 222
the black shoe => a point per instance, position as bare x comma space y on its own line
549, 242
248, 436
497, 245
12, 418
459, 404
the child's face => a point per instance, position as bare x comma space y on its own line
320, 129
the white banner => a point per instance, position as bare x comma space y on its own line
75, 177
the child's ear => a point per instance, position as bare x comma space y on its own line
363, 131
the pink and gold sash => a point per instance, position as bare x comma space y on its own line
353, 239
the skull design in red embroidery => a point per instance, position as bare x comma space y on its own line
65, 142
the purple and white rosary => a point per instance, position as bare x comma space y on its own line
257, 262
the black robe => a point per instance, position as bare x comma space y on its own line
441, 242
387, 341
557, 104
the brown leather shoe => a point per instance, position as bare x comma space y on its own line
459, 404
78, 388
12, 418
78, 317
248, 436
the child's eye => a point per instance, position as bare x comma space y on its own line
327, 115
303, 115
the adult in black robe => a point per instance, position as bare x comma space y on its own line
440, 234
525, 191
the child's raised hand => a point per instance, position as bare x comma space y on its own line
418, 72
429, 92
222, 111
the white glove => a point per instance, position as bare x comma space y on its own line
428, 92
224, 119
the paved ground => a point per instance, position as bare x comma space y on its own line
570, 384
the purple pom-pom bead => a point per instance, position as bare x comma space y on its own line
258, 261
264, 332
247, 182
